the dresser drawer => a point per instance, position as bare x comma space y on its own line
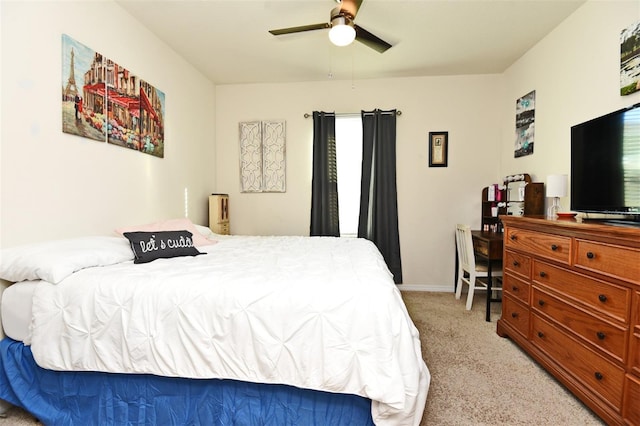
516, 288
631, 412
604, 298
480, 247
635, 351
635, 336
516, 315
611, 260
608, 337
596, 373
549, 246
517, 263
483, 247
221, 228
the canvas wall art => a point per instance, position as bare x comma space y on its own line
630, 59
104, 101
525, 124
82, 110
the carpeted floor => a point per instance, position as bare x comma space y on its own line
477, 377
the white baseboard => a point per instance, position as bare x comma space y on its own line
424, 287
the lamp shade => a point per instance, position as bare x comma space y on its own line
342, 34
557, 185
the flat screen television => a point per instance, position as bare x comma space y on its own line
605, 166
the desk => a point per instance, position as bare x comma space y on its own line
488, 246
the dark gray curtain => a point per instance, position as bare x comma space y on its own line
324, 186
378, 220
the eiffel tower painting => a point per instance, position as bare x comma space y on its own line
71, 90
82, 99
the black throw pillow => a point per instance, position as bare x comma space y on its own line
149, 246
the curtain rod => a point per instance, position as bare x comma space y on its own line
355, 114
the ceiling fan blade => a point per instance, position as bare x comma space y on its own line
351, 7
370, 40
303, 28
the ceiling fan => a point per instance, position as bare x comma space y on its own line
343, 29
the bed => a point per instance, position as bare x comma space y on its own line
251, 330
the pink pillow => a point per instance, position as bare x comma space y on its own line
171, 225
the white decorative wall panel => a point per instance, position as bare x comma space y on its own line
251, 157
262, 156
273, 156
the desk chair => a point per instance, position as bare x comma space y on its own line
471, 272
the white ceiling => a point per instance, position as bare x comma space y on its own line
229, 42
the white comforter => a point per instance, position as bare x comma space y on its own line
318, 313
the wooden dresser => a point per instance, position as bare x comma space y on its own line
571, 300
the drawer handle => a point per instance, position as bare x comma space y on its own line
516, 263
602, 298
513, 237
541, 302
590, 255
598, 375
540, 334
600, 335
514, 315
543, 274
554, 247
514, 288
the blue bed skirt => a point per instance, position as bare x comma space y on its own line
90, 398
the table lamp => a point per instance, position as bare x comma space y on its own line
556, 188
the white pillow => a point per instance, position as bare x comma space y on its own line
205, 231
53, 261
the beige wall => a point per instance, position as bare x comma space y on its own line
575, 72
56, 185
430, 200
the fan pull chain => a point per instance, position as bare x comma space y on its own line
330, 74
353, 85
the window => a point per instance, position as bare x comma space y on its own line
349, 164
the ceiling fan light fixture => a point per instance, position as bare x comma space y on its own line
342, 28
342, 32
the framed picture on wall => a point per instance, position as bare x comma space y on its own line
525, 124
438, 149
